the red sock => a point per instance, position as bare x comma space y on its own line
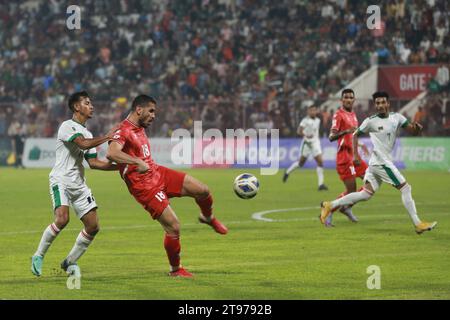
173, 248
205, 206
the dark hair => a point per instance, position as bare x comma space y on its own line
142, 100
75, 98
380, 94
347, 91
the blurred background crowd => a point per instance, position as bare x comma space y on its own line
229, 63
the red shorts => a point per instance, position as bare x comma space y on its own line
349, 170
155, 198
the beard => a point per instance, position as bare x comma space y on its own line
144, 123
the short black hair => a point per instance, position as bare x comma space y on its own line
75, 98
348, 90
142, 100
380, 94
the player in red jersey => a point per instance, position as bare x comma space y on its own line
343, 125
152, 185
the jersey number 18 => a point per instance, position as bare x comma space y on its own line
145, 150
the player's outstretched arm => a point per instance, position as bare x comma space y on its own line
116, 154
356, 160
414, 128
363, 147
98, 164
85, 144
300, 131
88, 143
334, 134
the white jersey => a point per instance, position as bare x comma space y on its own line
68, 168
310, 128
383, 133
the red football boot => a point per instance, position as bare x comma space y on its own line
181, 272
215, 224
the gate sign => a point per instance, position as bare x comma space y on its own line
405, 82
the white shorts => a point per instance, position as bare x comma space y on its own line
80, 198
310, 148
376, 174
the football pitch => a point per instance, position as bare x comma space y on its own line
291, 256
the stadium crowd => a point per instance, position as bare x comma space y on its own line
230, 63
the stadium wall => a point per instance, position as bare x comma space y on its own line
409, 153
5, 151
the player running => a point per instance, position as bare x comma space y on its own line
68, 184
343, 125
383, 129
152, 185
308, 129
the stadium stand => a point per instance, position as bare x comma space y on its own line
230, 63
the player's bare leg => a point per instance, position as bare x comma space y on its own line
200, 192
171, 225
50, 234
319, 170
295, 165
84, 239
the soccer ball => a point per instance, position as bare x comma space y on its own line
246, 186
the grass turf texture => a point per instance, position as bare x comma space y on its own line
293, 258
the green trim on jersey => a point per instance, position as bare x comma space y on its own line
405, 124
56, 196
359, 132
74, 136
391, 175
78, 122
90, 156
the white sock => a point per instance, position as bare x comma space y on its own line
81, 244
352, 198
50, 234
409, 203
293, 166
320, 175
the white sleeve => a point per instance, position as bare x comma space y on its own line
68, 133
364, 127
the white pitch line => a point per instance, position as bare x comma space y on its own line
258, 216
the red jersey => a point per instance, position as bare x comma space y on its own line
343, 120
136, 144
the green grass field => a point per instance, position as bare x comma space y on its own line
293, 257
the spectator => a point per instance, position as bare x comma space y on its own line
17, 132
190, 52
419, 116
442, 76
